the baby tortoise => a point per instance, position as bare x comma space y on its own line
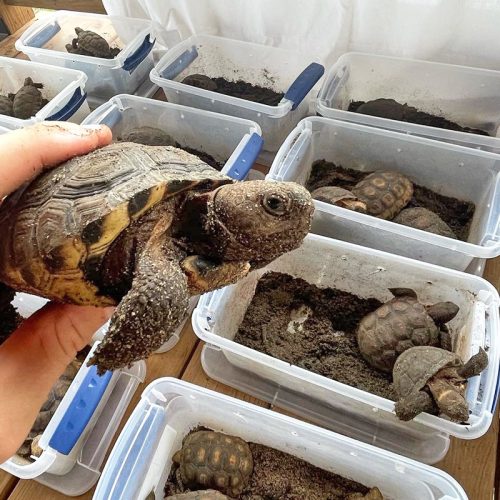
88, 43
421, 218
425, 377
143, 228
340, 197
6, 106
28, 100
198, 495
385, 193
214, 460
373, 494
56, 395
149, 136
200, 81
400, 324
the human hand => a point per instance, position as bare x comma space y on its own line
37, 353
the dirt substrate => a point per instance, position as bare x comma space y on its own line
247, 91
393, 110
456, 213
313, 328
280, 476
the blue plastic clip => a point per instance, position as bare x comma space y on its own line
243, 163
497, 393
133, 60
42, 37
80, 411
180, 64
304, 83
72, 106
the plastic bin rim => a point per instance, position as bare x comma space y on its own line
115, 100
474, 249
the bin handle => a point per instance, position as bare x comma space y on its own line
245, 160
304, 83
497, 393
38, 39
106, 114
80, 411
133, 60
180, 63
71, 107
127, 471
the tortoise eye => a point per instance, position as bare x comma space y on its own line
275, 204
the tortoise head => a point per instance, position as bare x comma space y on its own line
258, 221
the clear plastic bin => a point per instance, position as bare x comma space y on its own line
79, 434
445, 168
45, 41
141, 459
465, 95
271, 67
65, 88
362, 415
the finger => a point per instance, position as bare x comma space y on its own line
25, 152
31, 361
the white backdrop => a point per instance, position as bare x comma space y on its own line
456, 31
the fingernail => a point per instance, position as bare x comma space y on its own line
92, 127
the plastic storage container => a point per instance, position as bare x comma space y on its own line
279, 69
448, 169
45, 41
65, 89
78, 436
467, 96
359, 414
141, 459
229, 140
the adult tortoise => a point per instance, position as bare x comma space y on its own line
143, 228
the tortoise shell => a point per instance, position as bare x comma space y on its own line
198, 495
93, 43
58, 230
215, 460
397, 325
6, 106
150, 136
385, 193
28, 100
426, 220
339, 196
417, 365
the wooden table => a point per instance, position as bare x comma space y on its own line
472, 463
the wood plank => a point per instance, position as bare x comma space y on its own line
15, 17
77, 5
7, 484
169, 364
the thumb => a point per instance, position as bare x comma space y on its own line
31, 361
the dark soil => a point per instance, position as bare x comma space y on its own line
389, 108
313, 328
245, 90
208, 159
280, 476
456, 213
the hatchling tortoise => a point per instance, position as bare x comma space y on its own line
198, 495
200, 81
56, 395
28, 100
400, 324
143, 227
6, 106
373, 494
149, 136
340, 197
384, 193
426, 220
89, 43
211, 459
425, 377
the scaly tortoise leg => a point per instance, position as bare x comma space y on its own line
449, 398
409, 407
475, 365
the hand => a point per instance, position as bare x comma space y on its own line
37, 353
